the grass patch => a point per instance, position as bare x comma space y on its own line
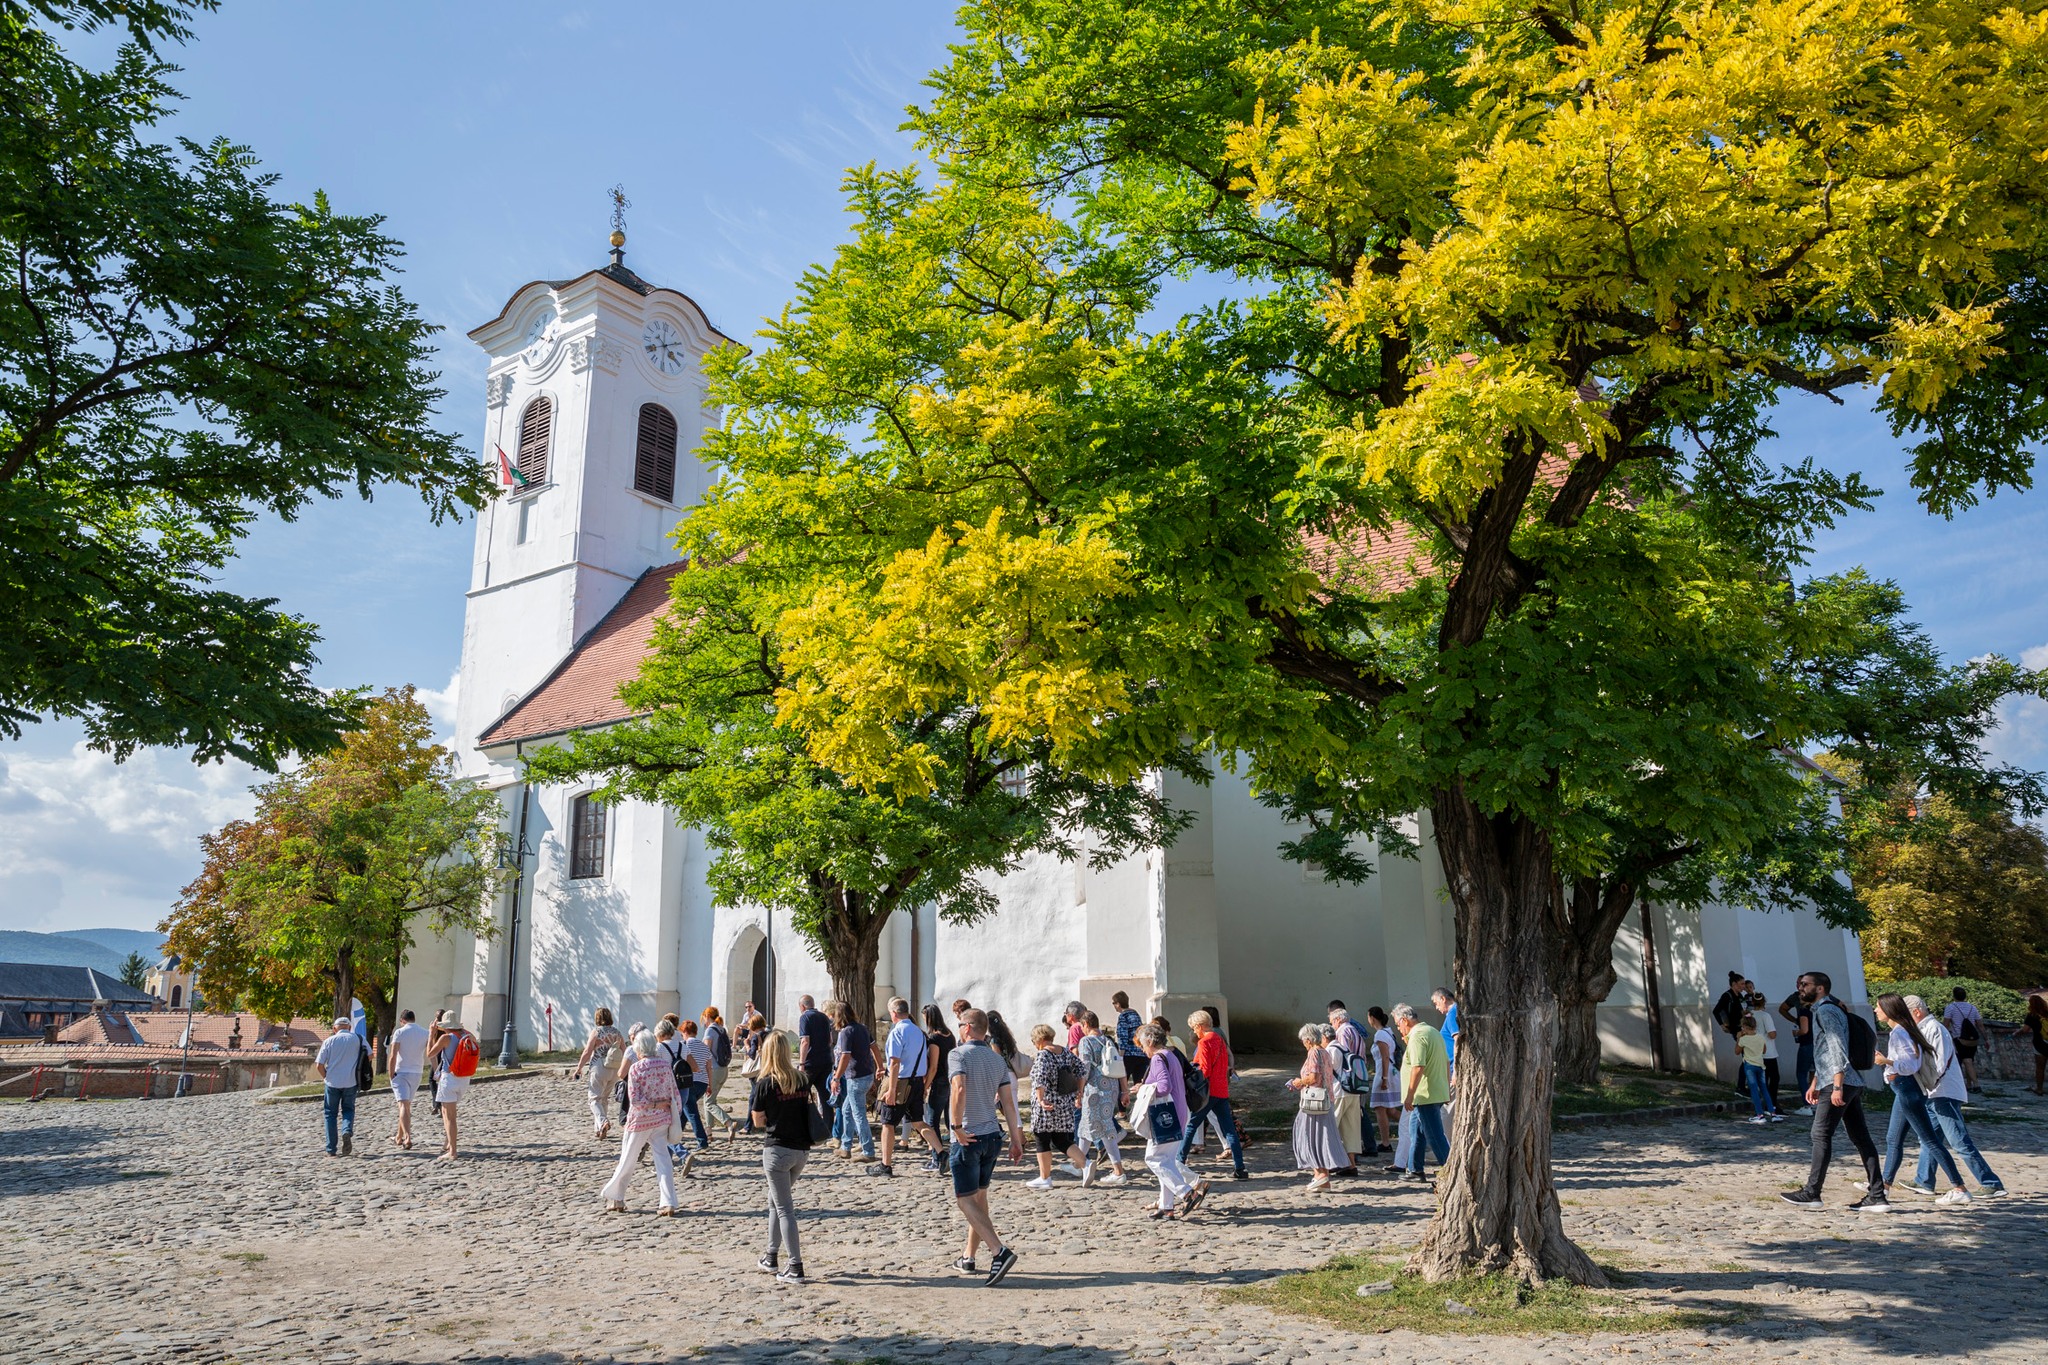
246, 1257
1625, 1089
1499, 1304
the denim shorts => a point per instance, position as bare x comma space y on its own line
974, 1167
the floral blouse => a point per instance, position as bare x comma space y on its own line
652, 1087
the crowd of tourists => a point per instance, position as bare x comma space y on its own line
946, 1091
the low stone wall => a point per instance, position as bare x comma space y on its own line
2006, 1054
99, 1077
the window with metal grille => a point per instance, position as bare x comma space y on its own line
654, 457
534, 428
586, 837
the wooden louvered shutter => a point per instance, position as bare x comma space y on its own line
654, 458
534, 429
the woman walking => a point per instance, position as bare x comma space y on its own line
1318, 1145
1098, 1131
1057, 1078
938, 1096
1005, 1043
603, 1052
781, 1108
652, 1086
1162, 1152
853, 1078
1386, 1077
2037, 1029
753, 1032
1904, 1052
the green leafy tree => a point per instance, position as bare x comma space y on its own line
835, 861
316, 900
134, 970
180, 353
1437, 480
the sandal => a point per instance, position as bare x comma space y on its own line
1157, 1214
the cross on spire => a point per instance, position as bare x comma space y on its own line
620, 203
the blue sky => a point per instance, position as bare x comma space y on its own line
487, 136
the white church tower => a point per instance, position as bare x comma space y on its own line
596, 403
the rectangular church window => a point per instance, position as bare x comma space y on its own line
586, 837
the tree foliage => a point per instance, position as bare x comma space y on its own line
134, 970
1390, 385
833, 861
179, 353
317, 899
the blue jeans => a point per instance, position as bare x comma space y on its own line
339, 1102
1759, 1088
1909, 1110
1948, 1116
692, 1093
1429, 1127
1220, 1108
851, 1124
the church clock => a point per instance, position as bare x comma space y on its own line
664, 346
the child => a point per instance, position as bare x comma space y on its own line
1749, 1042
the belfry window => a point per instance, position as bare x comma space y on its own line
535, 426
654, 456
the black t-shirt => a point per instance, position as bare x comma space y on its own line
939, 1085
813, 1024
789, 1120
1802, 1014
856, 1042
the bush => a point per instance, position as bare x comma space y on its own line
1992, 1000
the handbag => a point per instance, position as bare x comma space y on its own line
819, 1115
1141, 1107
1314, 1099
677, 1134
1164, 1120
1113, 1064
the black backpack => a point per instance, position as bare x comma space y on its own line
365, 1073
1069, 1074
679, 1063
720, 1043
1862, 1040
1194, 1083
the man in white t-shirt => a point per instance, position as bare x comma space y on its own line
1966, 1028
405, 1057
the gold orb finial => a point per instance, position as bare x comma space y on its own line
618, 238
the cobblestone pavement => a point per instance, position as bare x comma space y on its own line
214, 1229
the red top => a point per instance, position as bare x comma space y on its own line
1074, 1032
1212, 1059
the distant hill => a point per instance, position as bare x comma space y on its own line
148, 942
59, 950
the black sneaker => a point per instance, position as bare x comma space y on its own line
1240, 1174
966, 1266
880, 1168
767, 1263
934, 1162
1800, 1199
793, 1273
1874, 1202
348, 1144
1000, 1267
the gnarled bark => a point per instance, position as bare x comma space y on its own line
1497, 1208
853, 948
1589, 912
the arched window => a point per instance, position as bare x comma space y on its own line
586, 837
177, 996
654, 457
534, 426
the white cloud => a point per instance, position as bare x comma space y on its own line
87, 842
441, 703
2022, 734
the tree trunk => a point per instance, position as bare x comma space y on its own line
1497, 1209
852, 949
1582, 968
1578, 1028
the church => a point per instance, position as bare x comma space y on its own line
594, 404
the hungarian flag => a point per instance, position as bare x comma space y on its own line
508, 473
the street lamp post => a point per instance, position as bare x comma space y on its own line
171, 964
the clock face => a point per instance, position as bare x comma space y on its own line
664, 345
541, 330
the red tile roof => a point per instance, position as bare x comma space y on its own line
583, 690
210, 1032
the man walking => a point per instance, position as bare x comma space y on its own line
1072, 1019
814, 1044
1799, 1015
1836, 1094
405, 1056
1425, 1087
1945, 1103
1354, 1082
1966, 1029
1447, 1005
905, 1055
336, 1062
983, 1096
1212, 1059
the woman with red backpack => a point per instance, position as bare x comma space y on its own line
454, 1052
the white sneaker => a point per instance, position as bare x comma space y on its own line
1112, 1180
1068, 1168
1758, 1118
1042, 1183
1958, 1195
1321, 1182
1088, 1174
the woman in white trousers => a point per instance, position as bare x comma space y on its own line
1176, 1186
602, 1054
651, 1086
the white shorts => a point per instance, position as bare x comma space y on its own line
405, 1084
451, 1089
